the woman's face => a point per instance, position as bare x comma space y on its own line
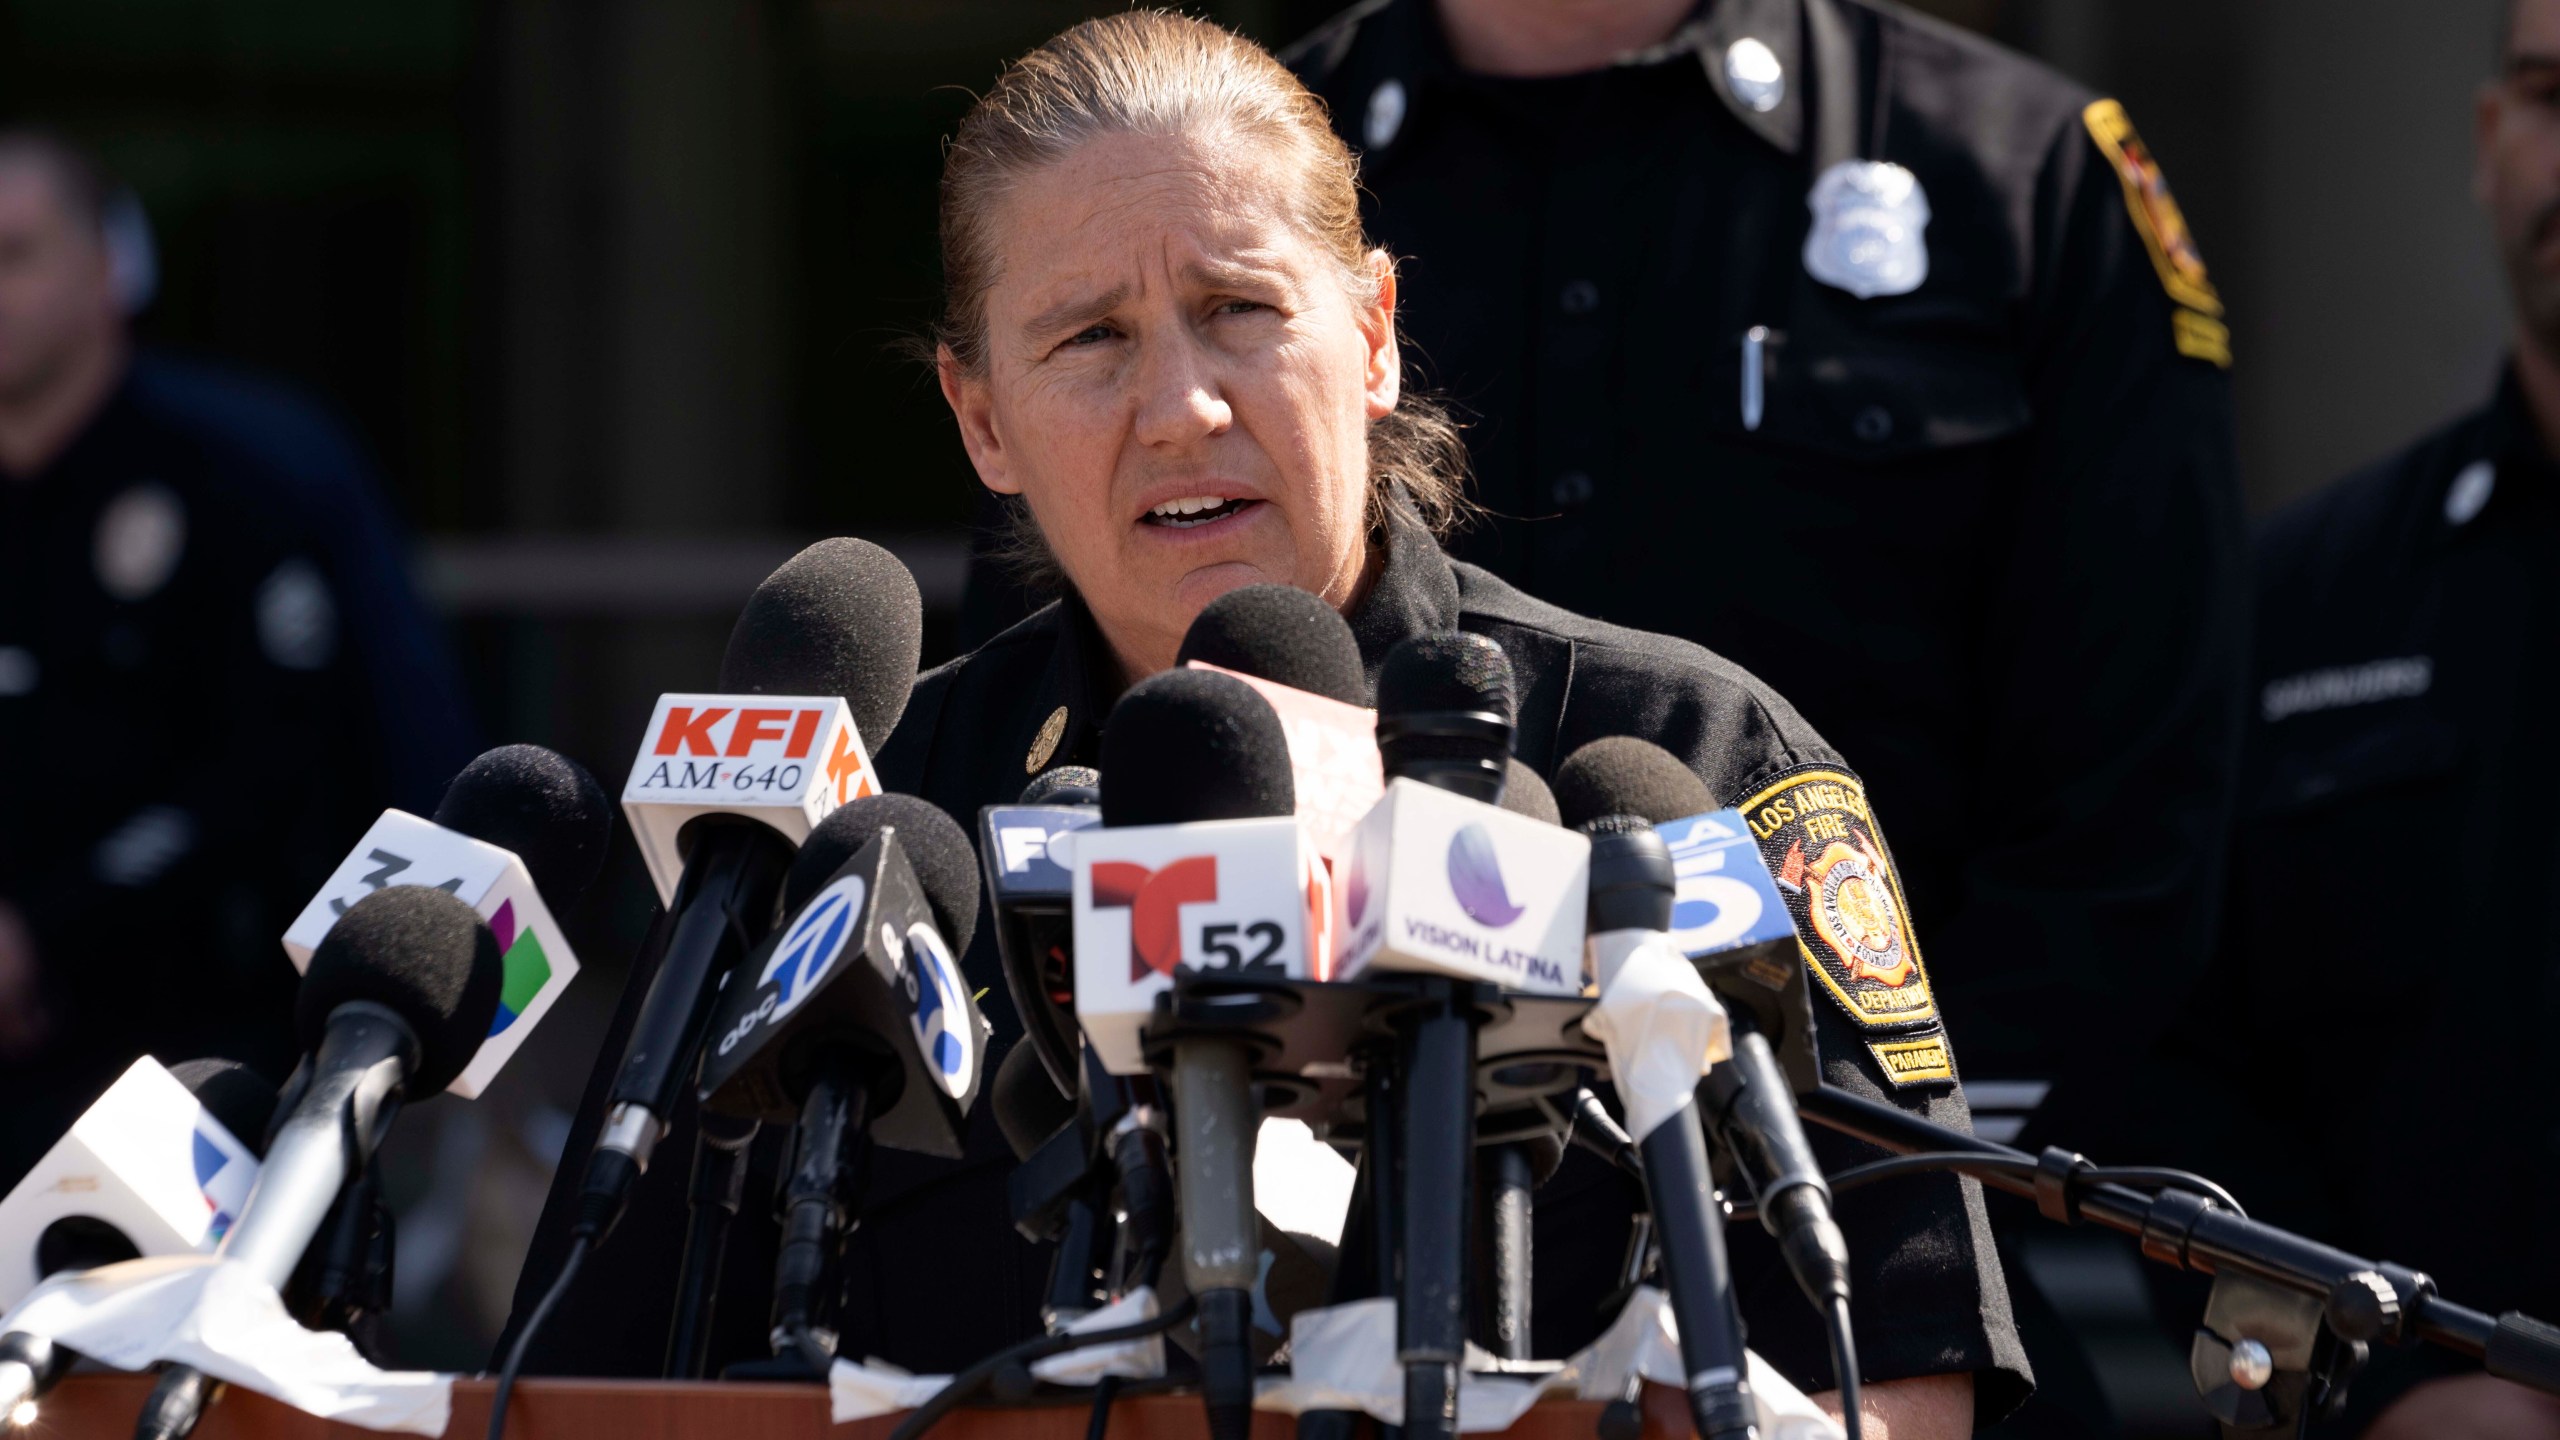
1179, 383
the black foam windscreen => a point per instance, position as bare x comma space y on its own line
1282, 634
946, 865
234, 1094
1450, 671
842, 617
1192, 745
1028, 1107
1622, 775
1523, 793
424, 956
540, 804
1064, 785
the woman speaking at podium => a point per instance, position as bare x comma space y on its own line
1166, 340
1168, 344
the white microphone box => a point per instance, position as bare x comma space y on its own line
1440, 884
146, 1159
1212, 897
402, 849
788, 761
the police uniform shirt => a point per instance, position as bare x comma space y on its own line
193, 734
2380, 1018
935, 1276
1984, 533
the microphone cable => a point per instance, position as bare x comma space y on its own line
1968, 1162
579, 1244
977, 1377
1842, 1336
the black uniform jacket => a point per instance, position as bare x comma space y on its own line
1984, 535
936, 1276
213, 676
2378, 1024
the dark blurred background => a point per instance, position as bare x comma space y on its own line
612, 289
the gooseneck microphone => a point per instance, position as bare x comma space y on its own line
1445, 710
1184, 747
840, 619
400, 993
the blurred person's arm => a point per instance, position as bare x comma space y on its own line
1930, 1407
2113, 661
2469, 1407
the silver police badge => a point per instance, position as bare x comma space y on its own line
1867, 219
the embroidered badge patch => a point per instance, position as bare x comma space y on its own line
2196, 327
1915, 1061
1851, 921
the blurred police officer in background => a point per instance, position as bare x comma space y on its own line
1879, 360
2383, 1025
213, 672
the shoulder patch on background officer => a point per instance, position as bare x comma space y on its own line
1851, 922
2196, 328
1915, 1061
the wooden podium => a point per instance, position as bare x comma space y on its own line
103, 1407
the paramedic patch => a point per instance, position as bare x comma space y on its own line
1915, 1061
1851, 922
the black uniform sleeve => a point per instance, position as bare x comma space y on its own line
2112, 662
1928, 1294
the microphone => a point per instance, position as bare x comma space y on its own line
724, 788
1436, 888
397, 999
149, 1169
1030, 893
1300, 656
1282, 634
1632, 893
520, 830
1523, 793
854, 1021
1731, 921
1200, 866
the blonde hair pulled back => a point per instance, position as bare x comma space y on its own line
1152, 72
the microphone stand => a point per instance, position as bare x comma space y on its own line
720, 1144
2277, 1295
831, 1142
1437, 1072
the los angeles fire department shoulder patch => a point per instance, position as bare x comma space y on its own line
1821, 843
2196, 325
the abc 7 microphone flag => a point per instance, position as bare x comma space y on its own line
148, 1159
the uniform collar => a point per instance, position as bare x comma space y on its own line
1408, 34
1416, 593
